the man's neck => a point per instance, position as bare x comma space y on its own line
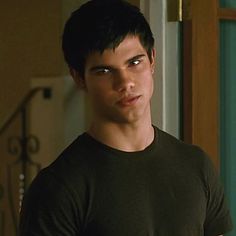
124, 137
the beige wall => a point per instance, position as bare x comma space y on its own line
29, 47
135, 2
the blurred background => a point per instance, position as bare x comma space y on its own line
41, 111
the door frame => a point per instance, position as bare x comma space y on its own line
201, 103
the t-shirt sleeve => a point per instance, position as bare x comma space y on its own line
218, 220
48, 209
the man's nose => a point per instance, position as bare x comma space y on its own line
124, 81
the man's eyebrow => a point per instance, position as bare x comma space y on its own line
99, 67
135, 58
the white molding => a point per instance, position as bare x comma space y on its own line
165, 101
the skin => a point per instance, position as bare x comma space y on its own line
119, 85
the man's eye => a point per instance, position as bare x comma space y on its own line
135, 62
103, 71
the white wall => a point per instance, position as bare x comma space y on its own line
165, 102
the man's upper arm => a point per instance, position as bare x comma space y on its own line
47, 209
218, 218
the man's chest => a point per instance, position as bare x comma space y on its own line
152, 205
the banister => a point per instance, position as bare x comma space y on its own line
21, 145
22, 104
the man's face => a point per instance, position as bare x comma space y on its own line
119, 82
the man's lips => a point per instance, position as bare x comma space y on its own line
129, 100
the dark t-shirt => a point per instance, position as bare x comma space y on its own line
168, 189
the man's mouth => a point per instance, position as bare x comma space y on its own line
129, 100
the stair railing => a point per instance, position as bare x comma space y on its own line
21, 146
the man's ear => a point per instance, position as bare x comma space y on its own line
78, 79
153, 59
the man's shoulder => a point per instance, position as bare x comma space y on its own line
78, 153
71, 166
166, 139
180, 150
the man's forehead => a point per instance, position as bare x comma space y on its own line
126, 50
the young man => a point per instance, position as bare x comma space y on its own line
123, 177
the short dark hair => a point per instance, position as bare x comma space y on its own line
102, 24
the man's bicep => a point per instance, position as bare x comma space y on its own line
47, 210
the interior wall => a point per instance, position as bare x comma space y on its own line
29, 47
167, 78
